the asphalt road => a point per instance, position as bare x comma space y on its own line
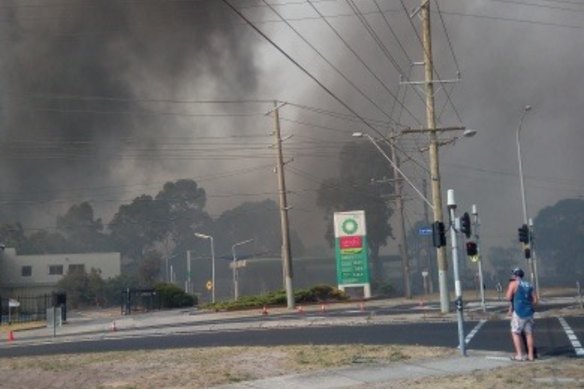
551, 338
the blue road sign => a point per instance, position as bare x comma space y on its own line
425, 231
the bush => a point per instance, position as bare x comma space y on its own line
279, 298
171, 296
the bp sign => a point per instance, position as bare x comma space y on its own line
351, 250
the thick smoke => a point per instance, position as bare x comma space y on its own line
76, 76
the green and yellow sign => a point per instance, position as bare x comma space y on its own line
351, 249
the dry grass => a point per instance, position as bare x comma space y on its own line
559, 373
193, 368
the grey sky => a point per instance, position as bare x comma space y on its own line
58, 151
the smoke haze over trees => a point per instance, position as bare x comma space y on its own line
97, 107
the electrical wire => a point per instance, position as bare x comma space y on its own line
423, 47
448, 38
383, 84
328, 62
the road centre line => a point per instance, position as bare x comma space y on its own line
474, 331
572, 337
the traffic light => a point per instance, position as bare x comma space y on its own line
523, 234
527, 253
471, 249
438, 234
465, 227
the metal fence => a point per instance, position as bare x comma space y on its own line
18, 309
139, 300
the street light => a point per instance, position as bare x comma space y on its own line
468, 133
534, 276
203, 236
168, 275
436, 203
393, 164
235, 273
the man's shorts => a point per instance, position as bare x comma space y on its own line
521, 324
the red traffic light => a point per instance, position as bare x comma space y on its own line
471, 249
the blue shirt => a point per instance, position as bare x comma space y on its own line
523, 299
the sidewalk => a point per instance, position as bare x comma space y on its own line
384, 375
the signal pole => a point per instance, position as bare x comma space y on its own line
433, 151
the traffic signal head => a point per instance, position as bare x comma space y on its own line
438, 234
527, 253
465, 226
471, 249
523, 233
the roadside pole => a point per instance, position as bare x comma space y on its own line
457, 285
475, 213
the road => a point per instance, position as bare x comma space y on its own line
552, 336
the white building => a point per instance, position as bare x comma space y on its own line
39, 274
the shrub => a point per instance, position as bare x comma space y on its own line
279, 298
171, 296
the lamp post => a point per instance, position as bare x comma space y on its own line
394, 165
203, 236
168, 275
526, 109
436, 195
234, 268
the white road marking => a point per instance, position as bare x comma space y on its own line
474, 331
572, 337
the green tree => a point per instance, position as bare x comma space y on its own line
259, 221
150, 267
82, 231
559, 239
186, 203
12, 235
503, 260
362, 184
82, 289
136, 227
165, 223
44, 242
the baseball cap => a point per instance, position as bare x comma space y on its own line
518, 272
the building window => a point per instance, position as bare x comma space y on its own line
55, 270
26, 271
76, 268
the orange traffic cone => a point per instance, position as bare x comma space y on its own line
114, 328
265, 310
10, 336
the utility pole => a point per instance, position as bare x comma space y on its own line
401, 231
286, 252
433, 150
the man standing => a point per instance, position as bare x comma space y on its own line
522, 297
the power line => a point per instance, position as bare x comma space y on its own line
526, 4
434, 69
395, 99
303, 69
363, 94
447, 38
